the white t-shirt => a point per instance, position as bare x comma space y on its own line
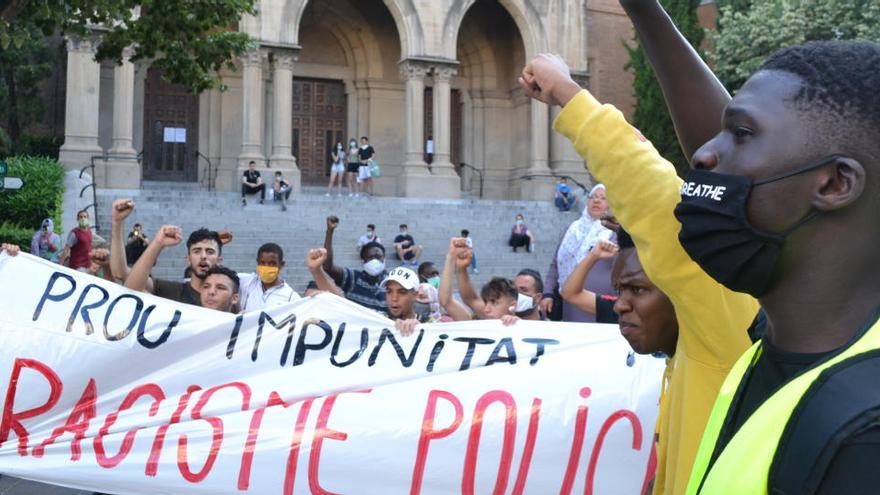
253, 297
365, 239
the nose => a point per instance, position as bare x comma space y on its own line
622, 305
705, 158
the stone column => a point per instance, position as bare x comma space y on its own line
445, 182
415, 175
539, 188
82, 102
282, 124
252, 109
123, 171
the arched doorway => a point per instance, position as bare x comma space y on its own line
346, 68
495, 114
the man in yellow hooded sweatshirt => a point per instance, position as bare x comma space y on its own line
643, 189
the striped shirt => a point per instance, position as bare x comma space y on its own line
361, 288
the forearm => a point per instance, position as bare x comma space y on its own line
118, 261
334, 271
695, 97
444, 294
469, 295
324, 282
575, 283
140, 273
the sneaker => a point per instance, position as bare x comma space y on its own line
327, 194
243, 202
414, 264
350, 195
283, 207
261, 201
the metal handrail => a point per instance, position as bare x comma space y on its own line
94, 205
477, 171
211, 179
532, 176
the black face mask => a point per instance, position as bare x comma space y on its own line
716, 233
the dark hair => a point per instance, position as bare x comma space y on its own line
624, 240
80, 212
252, 162
204, 234
222, 270
371, 226
497, 288
842, 77
465, 232
271, 247
403, 226
370, 245
424, 266
365, 137
535, 274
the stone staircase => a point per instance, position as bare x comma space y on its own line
431, 222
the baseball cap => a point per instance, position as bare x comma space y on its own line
407, 278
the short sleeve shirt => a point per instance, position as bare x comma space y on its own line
406, 239
251, 177
365, 153
253, 297
177, 291
363, 289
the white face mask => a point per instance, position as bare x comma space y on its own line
524, 303
374, 267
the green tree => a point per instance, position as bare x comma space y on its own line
747, 37
189, 40
651, 116
21, 70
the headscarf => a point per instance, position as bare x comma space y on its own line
35, 240
581, 236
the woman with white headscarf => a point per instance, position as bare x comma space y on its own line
576, 243
46, 243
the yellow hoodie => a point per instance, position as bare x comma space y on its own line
643, 189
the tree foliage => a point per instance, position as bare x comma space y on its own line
189, 40
651, 115
746, 37
21, 70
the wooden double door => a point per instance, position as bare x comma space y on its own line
171, 130
319, 122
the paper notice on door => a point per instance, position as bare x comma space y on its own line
174, 135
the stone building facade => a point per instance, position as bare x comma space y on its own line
398, 71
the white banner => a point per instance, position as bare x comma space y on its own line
123, 392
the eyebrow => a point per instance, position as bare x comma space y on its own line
630, 277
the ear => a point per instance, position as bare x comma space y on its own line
840, 185
281, 265
235, 299
219, 260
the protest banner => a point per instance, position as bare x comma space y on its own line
120, 392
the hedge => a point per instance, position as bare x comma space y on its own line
41, 195
16, 235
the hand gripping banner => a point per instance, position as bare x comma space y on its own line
119, 392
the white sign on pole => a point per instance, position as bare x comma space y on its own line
12, 183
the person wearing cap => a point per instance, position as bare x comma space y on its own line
46, 243
400, 293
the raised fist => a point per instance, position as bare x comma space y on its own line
100, 257
121, 209
225, 236
604, 249
169, 235
332, 223
315, 258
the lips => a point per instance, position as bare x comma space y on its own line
627, 329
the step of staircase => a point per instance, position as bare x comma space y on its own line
431, 222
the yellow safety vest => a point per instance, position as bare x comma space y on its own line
743, 467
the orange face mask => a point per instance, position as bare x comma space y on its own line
268, 274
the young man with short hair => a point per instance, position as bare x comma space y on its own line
220, 289
370, 236
644, 190
203, 253
265, 288
406, 248
252, 183
401, 286
360, 286
281, 190
79, 244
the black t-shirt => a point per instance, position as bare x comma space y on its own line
251, 177
853, 468
177, 291
366, 153
406, 239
